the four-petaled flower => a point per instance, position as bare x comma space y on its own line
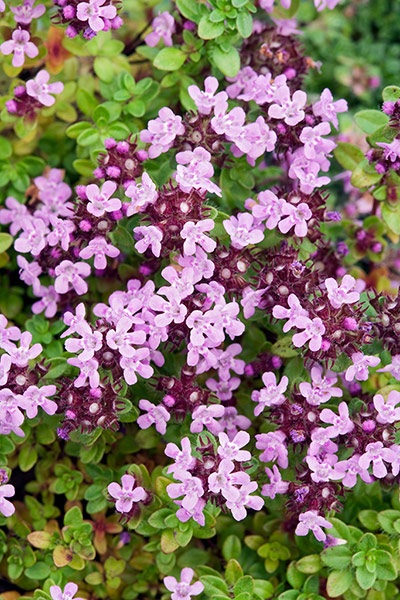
126, 495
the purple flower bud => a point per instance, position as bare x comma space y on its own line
370, 154
3, 476
350, 324
333, 215
361, 235
296, 409
301, 493
123, 147
116, 22
89, 34
70, 32
169, 400
70, 414
368, 426
85, 225
145, 270
276, 362
354, 388
11, 106
380, 168
95, 392
110, 143
142, 155
62, 433
113, 171
19, 90
377, 247
81, 192
388, 108
325, 344
249, 370
69, 11
297, 435
189, 25
290, 73
99, 173
124, 538
342, 249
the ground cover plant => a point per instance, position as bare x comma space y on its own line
199, 311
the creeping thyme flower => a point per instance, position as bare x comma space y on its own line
40, 89
163, 27
271, 395
161, 132
183, 589
286, 108
6, 507
359, 369
94, 13
242, 231
342, 294
205, 101
19, 45
157, 415
25, 13
127, 494
277, 486
312, 521
313, 331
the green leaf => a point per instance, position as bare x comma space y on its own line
284, 348
73, 516
189, 9
27, 458
244, 23
338, 583
214, 585
336, 557
208, 30
227, 62
370, 120
86, 102
348, 155
364, 175
364, 578
369, 518
169, 59
104, 69
40, 570
233, 571
231, 547
83, 166
5, 241
309, 564
391, 93
5, 148
386, 519
244, 584
263, 588
391, 216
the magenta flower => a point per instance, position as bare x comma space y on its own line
241, 81
70, 275
390, 151
274, 447
375, 453
89, 342
6, 507
270, 395
22, 355
88, 371
343, 294
122, 339
190, 487
194, 236
224, 480
156, 415
237, 507
40, 89
290, 110
33, 237
138, 363
254, 140
308, 177
251, 299
323, 469
387, 411
327, 109
100, 201
163, 28
99, 248
161, 132
231, 448
321, 389
141, 195
183, 589
230, 123
184, 461
350, 468
359, 369
197, 173
269, 208
19, 45
312, 521
170, 310
48, 300
181, 283
298, 215
33, 397
195, 513
25, 13
231, 421
11, 416
277, 486
94, 12
68, 593
205, 416
74, 320
340, 424
313, 332
295, 314
205, 101
223, 389
241, 230
126, 495
313, 141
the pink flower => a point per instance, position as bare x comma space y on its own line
295, 314
6, 507
224, 480
190, 487
88, 371
327, 109
22, 355
161, 132
184, 461
205, 101
94, 13
16, 214
193, 234
181, 283
277, 486
122, 339
237, 507
223, 389
251, 299
61, 233
308, 177
269, 208
313, 332
25, 13
205, 416
33, 397
231, 448
255, 139
342, 294
100, 201
298, 217
2, 6
74, 320
70, 275
321, 389
290, 110
170, 310
156, 415
359, 369
141, 195
68, 593
89, 342
229, 124
33, 237
48, 301
231, 421
40, 89
126, 495
138, 363
274, 447
183, 590
29, 272
99, 248
390, 151
19, 45
387, 411
393, 368
241, 230
340, 424
5, 365
323, 469
350, 468
270, 395
375, 453
198, 172
313, 141
312, 521
148, 237
163, 28
195, 513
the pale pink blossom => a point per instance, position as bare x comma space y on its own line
41, 90
19, 45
